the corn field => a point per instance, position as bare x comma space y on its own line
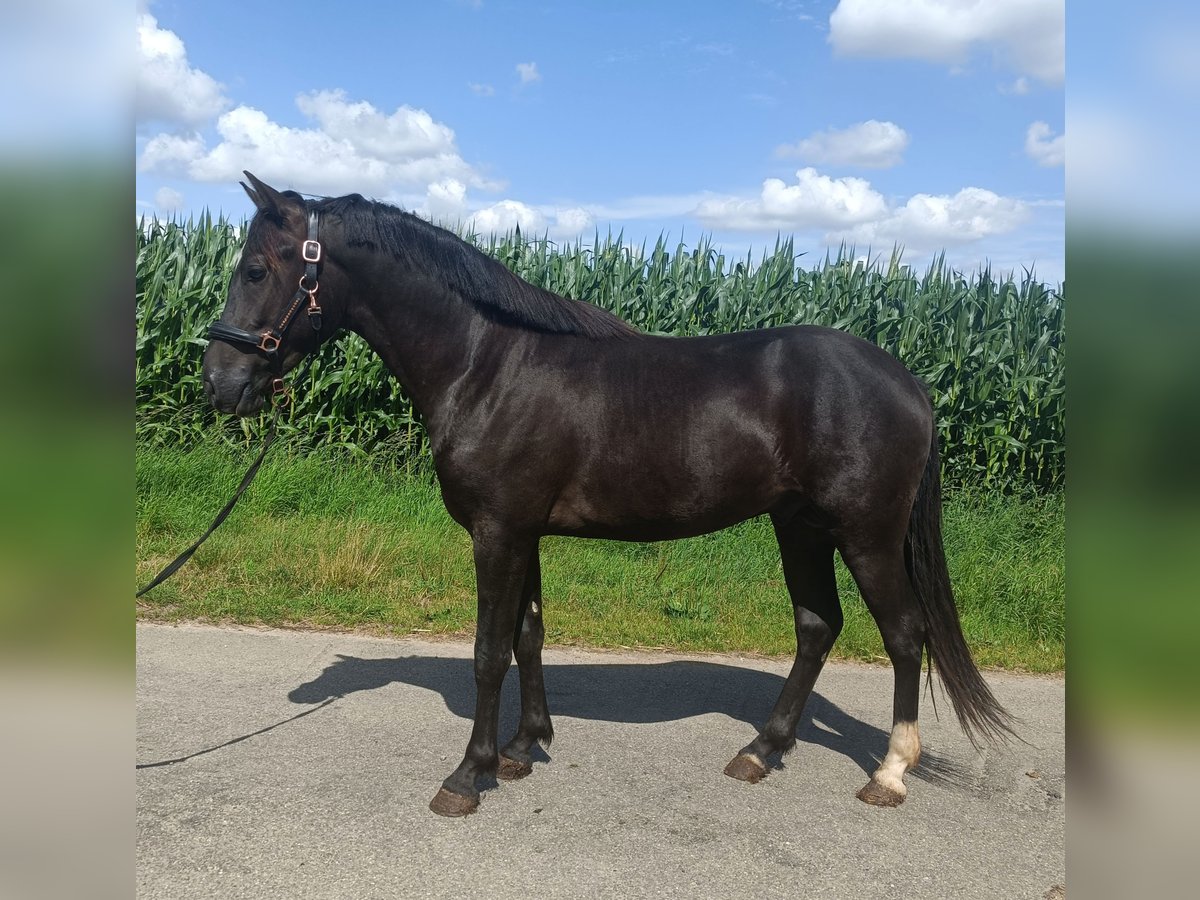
992, 349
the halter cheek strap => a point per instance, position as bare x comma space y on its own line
267, 342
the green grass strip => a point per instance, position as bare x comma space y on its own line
326, 540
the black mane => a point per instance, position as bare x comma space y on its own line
478, 278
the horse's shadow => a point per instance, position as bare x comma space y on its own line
637, 694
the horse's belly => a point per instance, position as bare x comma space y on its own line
635, 510
645, 530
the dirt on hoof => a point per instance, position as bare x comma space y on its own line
878, 795
511, 769
746, 768
447, 803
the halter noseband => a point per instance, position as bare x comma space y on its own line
267, 342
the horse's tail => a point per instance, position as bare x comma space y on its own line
978, 711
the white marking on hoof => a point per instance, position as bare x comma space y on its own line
533, 607
891, 782
904, 751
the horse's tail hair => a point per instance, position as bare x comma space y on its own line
978, 711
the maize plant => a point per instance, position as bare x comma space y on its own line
991, 348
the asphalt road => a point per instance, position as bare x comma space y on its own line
297, 765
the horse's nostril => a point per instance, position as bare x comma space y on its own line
210, 390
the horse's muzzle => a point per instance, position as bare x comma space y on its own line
241, 397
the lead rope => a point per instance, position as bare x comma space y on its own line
176, 564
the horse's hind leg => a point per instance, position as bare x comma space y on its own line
883, 580
515, 761
808, 569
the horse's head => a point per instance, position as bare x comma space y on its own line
273, 317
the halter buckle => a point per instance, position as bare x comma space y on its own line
310, 251
268, 343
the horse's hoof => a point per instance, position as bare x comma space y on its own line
447, 803
878, 795
746, 767
512, 769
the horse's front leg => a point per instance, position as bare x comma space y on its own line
500, 565
515, 760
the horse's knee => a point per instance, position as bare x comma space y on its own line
491, 666
815, 635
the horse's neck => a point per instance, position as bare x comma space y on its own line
430, 338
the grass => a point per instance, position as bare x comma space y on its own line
328, 541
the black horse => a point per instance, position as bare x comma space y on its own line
551, 416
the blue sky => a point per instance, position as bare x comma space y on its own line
931, 123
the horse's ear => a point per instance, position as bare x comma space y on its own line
250, 192
266, 198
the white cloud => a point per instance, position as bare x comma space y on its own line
872, 144
482, 90
168, 200
929, 222
815, 200
162, 152
850, 209
1026, 35
533, 221
168, 88
354, 148
1042, 148
446, 203
507, 215
528, 72
405, 134
573, 222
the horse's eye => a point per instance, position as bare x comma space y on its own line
256, 273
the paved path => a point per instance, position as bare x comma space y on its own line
295, 765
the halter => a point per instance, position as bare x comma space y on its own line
267, 342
